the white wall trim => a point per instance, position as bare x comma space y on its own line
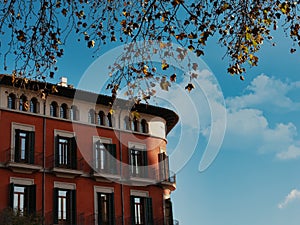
64, 133
139, 193
63, 185
21, 181
138, 146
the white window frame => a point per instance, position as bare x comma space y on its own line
18, 126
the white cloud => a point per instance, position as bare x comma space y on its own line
249, 117
267, 93
293, 195
293, 152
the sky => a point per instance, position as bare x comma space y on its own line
254, 179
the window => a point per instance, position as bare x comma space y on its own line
22, 198
138, 162
11, 101
64, 206
106, 212
24, 146
105, 157
135, 124
23, 103
66, 152
101, 118
109, 118
34, 106
127, 122
144, 126
63, 112
74, 113
53, 109
141, 210
91, 116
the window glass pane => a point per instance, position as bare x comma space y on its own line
19, 198
62, 205
63, 151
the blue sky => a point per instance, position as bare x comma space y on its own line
254, 180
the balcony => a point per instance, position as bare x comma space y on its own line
168, 180
109, 172
27, 166
141, 175
69, 170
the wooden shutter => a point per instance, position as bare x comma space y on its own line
11, 195
111, 210
56, 152
17, 145
55, 206
73, 215
73, 153
132, 211
31, 199
145, 163
111, 159
148, 211
169, 211
31, 145
99, 208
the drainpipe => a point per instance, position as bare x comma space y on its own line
44, 162
121, 161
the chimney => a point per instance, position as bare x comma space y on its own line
63, 82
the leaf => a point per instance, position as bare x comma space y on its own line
91, 44
164, 65
195, 66
173, 78
190, 87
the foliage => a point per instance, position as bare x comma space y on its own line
9, 217
35, 32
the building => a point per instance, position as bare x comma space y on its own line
80, 162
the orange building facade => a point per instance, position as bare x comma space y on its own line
73, 159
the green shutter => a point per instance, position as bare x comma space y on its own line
73, 207
167, 173
31, 145
111, 209
11, 195
111, 159
55, 206
56, 156
132, 211
169, 209
73, 153
99, 208
145, 163
149, 211
17, 145
161, 166
31, 199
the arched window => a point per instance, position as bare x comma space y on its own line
144, 126
23, 103
110, 119
11, 101
135, 123
63, 111
101, 118
34, 105
127, 123
74, 113
53, 109
91, 116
